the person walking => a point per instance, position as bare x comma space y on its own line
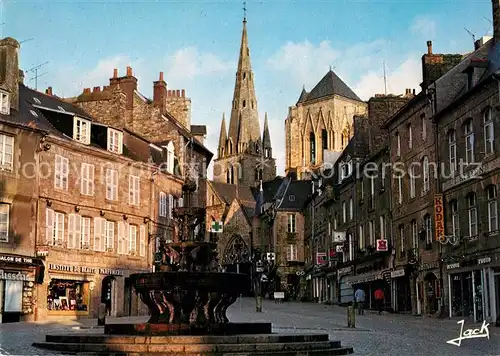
359, 297
379, 300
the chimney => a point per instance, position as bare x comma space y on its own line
48, 91
183, 93
496, 19
86, 91
413, 91
160, 93
429, 47
127, 84
9, 70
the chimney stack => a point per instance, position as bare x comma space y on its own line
127, 84
129, 71
429, 46
97, 89
115, 73
48, 91
160, 93
9, 70
413, 91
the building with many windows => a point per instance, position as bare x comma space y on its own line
82, 204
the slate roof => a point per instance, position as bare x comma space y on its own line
330, 84
295, 196
227, 192
51, 102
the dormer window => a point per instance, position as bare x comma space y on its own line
4, 103
81, 130
115, 141
345, 170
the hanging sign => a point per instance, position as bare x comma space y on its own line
216, 227
438, 216
321, 258
382, 245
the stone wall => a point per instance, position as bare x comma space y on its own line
179, 106
335, 114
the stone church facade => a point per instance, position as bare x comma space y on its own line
244, 160
321, 120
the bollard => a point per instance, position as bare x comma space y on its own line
101, 314
258, 305
351, 317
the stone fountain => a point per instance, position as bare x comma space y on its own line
188, 296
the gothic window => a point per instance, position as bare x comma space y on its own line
244, 75
252, 104
228, 175
324, 139
244, 103
312, 140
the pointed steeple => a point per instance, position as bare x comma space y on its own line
223, 137
266, 137
244, 113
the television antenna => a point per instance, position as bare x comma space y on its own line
27, 40
472, 35
385, 81
35, 70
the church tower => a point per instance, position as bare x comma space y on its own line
244, 153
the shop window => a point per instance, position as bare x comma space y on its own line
66, 295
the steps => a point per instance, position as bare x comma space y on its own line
241, 345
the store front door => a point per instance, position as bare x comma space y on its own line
468, 290
107, 294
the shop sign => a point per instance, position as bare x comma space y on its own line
382, 245
332, 253
15, 276
16, 259
338, 236
439, 216
339, 248
344, 271
42, 251
465, 176
484, 260
321, 258
427, 266
397, 273
84, 269
453, 266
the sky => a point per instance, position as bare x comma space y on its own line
196, 44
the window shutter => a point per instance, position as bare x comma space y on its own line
121, 229
103, 234
170, 205
71, 230
126, 238
142, 246
97, 234
83, 176
49, 226
85, 233
110, 235
91, 179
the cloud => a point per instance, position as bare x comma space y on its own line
424, 26
188, 63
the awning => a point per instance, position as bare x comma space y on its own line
363, 278
70, 277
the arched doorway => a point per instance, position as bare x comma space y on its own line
431, 291
108, 295
236, 259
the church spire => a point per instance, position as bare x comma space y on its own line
223, 137
266, 137
244, 112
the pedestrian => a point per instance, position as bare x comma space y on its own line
359, 297
379, 300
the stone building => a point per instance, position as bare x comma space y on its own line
280, 231
413, 184
352, 213
466, 111
97, 196
321, 120
244, 160
164, 121
19, 268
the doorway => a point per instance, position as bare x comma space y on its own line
107, 295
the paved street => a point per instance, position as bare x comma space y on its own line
387, 334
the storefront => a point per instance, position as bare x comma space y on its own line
474, 288
401, 290
370, 282
345, 291
77, 291
17, 282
